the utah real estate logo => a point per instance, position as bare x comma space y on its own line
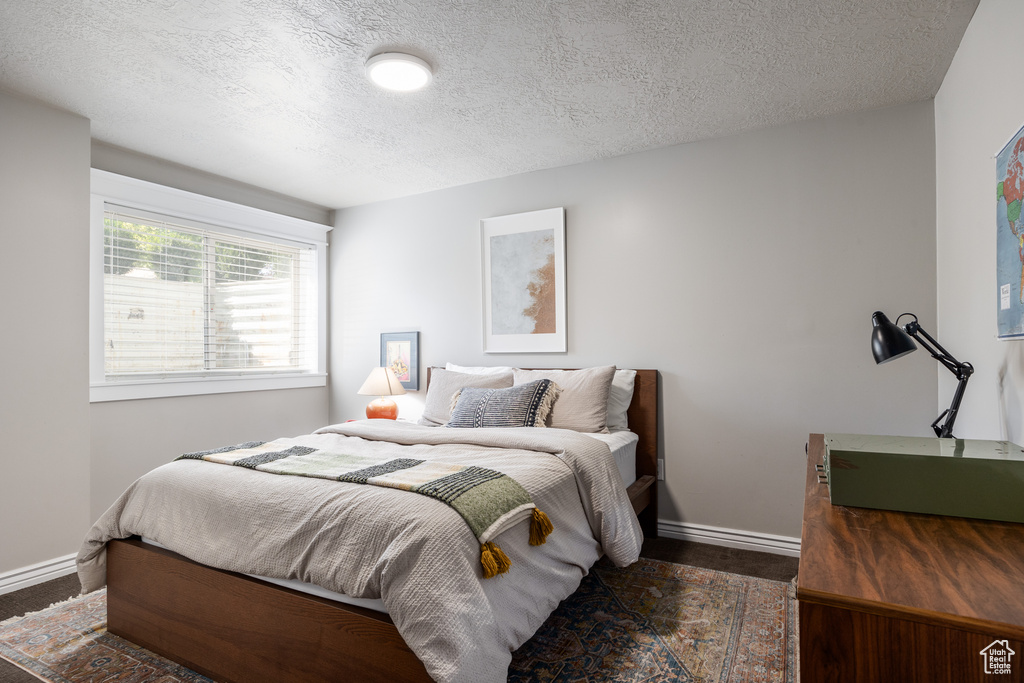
997, 657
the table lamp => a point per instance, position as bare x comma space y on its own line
382, 382
889, 341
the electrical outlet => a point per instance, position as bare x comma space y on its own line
661, 470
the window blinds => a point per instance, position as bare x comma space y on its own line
186, 299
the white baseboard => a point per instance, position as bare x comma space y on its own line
731, 538
37, 573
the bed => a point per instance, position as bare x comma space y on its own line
233, 627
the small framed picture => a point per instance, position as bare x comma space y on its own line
400, 351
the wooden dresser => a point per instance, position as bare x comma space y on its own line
891, 596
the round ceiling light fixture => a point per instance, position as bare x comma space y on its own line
398, 71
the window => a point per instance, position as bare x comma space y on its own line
195, 295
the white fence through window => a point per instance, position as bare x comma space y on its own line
182, 300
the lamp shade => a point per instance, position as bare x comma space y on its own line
381, 382
888, 341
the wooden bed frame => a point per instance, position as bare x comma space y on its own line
237, 629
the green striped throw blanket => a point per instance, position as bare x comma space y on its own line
489, 501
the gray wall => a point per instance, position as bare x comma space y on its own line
135, 165
44, 404
129, 438
64, 460
978, 109
745, 269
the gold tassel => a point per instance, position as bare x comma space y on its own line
487, 561
540, 527
504, 564
501, 560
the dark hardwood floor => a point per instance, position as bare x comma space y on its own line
746, 562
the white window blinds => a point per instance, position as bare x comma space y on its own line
185, 299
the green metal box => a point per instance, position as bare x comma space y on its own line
958, 477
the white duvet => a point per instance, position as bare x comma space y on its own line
415, 553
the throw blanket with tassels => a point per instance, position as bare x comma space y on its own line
489, 501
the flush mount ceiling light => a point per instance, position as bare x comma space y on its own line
397, 71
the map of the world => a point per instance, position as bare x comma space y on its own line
1010, 237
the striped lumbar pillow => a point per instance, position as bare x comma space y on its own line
526, 405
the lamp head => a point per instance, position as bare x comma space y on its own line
888, 341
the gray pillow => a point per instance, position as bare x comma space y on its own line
526, 405
444, 384
583, 402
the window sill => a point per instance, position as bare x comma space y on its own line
128, 391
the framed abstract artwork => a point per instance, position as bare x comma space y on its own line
523, 265
400, 351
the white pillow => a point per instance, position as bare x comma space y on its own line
444, 384
582, 404
494, 370
619, 398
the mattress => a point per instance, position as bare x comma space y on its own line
623, 446
621, 443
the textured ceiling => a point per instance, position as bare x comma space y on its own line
273, 92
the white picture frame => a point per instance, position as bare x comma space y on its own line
523, 268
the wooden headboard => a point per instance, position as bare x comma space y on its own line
643, 421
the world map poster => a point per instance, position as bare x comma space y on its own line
1010, 237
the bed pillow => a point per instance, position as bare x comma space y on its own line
619, 397
583, 402
478, 370
525, 405
444, 384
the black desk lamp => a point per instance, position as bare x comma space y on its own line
889, 341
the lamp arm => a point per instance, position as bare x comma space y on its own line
963, 372
945, 430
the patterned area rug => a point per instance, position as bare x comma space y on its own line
651, 622
68, 642
660, 622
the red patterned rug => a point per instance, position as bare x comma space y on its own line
655, 622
